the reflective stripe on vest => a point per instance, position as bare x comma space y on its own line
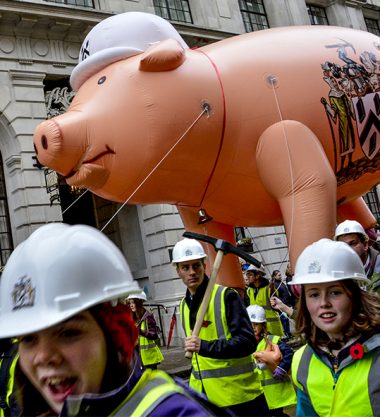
149, 351
303, 368
219, 373
217, 318
355, 391
225, 381
148, 346
152, 389
278, 393
262, 299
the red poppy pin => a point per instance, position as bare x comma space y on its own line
357, 351
206, 323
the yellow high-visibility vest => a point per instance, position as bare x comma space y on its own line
356, 392
149, 351
277, 393
262, 299
225, 381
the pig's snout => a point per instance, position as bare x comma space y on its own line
47, 142
55, 147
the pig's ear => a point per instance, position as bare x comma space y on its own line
162, 56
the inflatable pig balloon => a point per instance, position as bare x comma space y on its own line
274, 127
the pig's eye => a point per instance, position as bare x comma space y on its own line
102, 79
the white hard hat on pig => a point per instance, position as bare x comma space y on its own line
119, 37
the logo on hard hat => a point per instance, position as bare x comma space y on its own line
23, 293
346, 230
315, 268
85, 50
188, 252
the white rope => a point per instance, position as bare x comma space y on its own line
290, 232
205, 110
67, 208
272, 82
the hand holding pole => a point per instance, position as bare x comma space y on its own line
206, 298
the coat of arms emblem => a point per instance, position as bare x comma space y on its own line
314, 267
23, 293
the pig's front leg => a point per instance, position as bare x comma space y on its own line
295, 170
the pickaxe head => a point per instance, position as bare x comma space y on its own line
224, 246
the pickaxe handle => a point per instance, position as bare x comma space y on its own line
206, 297
224, 246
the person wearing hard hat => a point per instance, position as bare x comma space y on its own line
282, 291
150, 353
259, 293
222, 367
59, 299
337, 372
273, 359
353, 233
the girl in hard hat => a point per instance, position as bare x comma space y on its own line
76, 344
337, 371
150, 353
273, 359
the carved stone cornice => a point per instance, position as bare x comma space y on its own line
22, 78
47, 20
13, 163
72, 23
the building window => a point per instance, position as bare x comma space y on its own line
254, 16
372, 200
175, 10
372, 26
317, 15
6, 243
83, 3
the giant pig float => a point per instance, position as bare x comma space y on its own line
274, 127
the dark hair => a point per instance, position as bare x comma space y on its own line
275, 272
140, 310
365, 316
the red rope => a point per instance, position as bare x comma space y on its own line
224, 120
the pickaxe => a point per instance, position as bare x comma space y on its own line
222, 248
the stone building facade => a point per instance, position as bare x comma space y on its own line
39, 47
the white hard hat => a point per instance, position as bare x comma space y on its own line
139, 296
348, 227
57, 272
256, 269
328, 261
256, 313
187, 250
118, 37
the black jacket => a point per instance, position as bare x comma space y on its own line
242, 342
